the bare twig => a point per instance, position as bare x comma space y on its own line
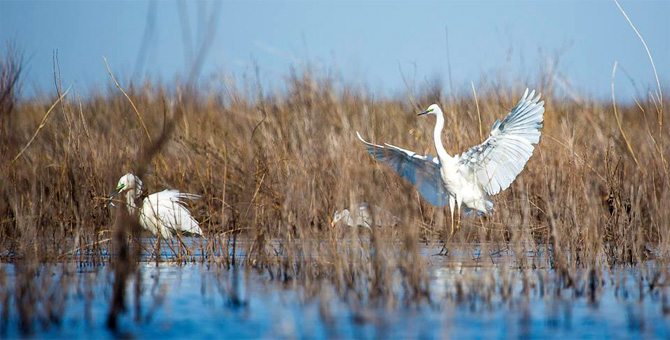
651, 60
659, 95
42, 123
618, 122
137, 112
479, 116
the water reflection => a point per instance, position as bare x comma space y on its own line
466, 301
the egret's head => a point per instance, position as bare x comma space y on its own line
338, 215
126, 183
431, 110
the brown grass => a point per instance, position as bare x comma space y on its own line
273, 168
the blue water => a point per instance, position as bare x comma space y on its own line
197, 301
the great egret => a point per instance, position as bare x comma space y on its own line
162, 213
471, 178
365, 216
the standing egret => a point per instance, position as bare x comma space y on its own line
162, 213
471, 178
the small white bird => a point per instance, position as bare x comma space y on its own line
163, 213
365, 216
471, 178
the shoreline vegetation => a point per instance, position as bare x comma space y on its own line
277, 167
272, 170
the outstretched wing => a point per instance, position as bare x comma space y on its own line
166, 213
422, 171
495, 163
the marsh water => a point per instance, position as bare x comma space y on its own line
196, 300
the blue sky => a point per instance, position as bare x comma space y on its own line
369, 43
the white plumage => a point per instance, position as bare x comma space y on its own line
499, 159
366, 216
469, 179
162, 213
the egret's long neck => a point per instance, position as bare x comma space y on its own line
131, 195
437, 135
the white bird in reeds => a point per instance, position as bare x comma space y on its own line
471, 178
163, 213
366, 216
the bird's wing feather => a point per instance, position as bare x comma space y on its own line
422, 171
171, 213
496, 162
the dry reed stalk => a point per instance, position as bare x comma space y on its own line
659, 95
618, 122
42, 124
132, 104
479, 115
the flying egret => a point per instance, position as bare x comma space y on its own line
163, 213
471, 178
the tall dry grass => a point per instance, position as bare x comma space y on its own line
273, 167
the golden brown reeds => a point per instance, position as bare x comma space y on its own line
272, 169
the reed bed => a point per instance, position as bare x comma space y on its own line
273, 166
